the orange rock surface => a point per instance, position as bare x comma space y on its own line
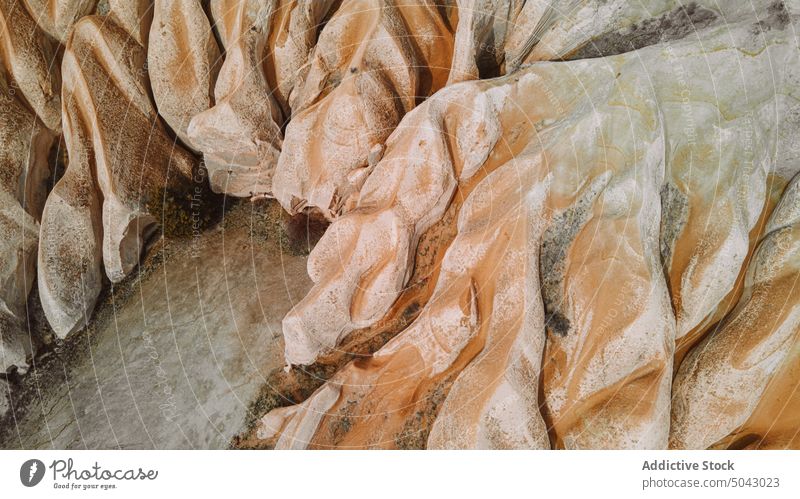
552, 224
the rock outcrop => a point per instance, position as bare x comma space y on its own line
616, 161
56, 17
24, 146
124, 170
552, 224
30, 60
266, 45
240, 135
746, 373
183, 61
375, 60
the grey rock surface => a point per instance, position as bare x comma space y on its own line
174, 356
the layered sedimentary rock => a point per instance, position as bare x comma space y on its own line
240, 136
375, 60
123, 171
484, 327
483, 29
486, 312
625, 191
331, 147
498, 37
710, 228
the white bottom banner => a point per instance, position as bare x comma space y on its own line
400, 474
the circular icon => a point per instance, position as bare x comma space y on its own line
31, 472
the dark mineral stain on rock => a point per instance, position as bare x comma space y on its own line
674, 214
556, 241
556, 323
777, 17
670, 26
414, 435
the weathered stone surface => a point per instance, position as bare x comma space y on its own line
463, 344
485, 313
124, 174
404, 196
266, 43
374, 61
612, 299
57, 17
498, 37
483, 27
182, 61
30, 60
747, 371
355, 94
133, 16
24, 146
554, 224
18, 241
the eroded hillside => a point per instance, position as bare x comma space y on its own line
546, 224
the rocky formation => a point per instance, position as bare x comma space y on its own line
124, 170
552, 224
747, 372
182, 61
375, 60
240, 135
30, 60
23, 174
615, 161
266, 44
56, 17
